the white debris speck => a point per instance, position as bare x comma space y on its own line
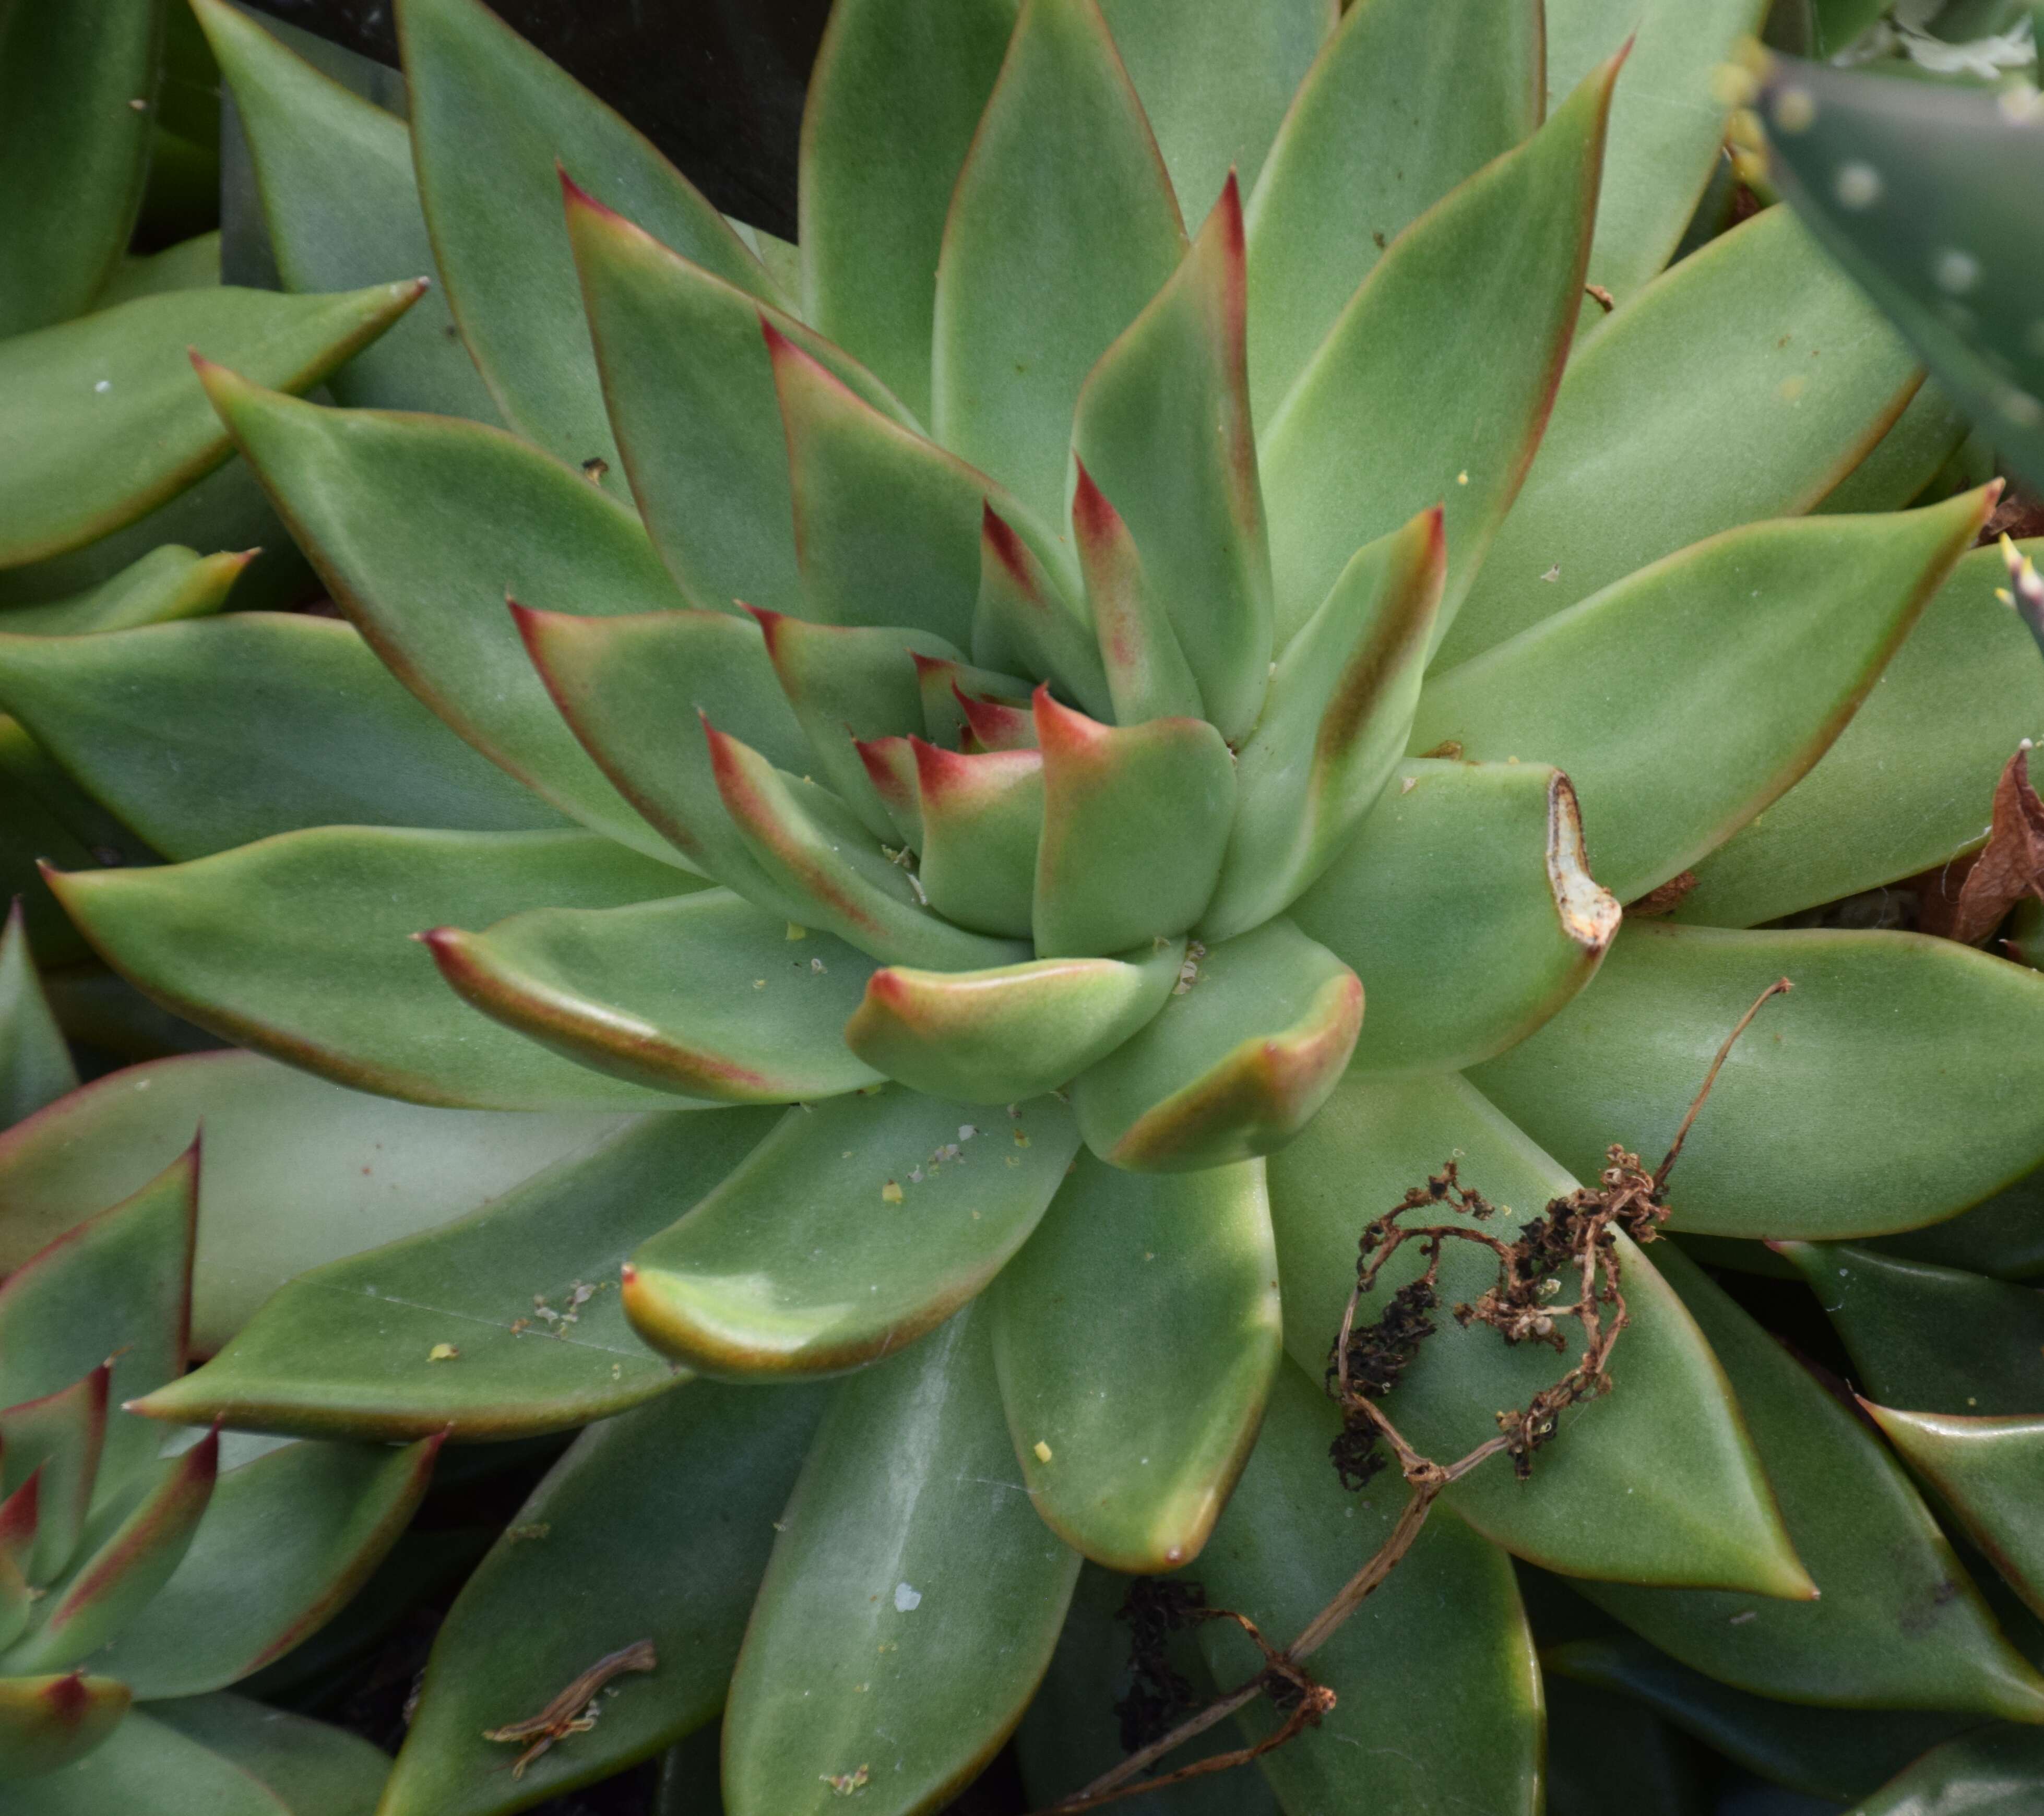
906, 1600
104, 385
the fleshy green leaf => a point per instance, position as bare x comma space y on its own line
1339, 711
1147, 673
1992, 1773
1062, 227
148, 1765
168, 583
981, 817
1234, 1066
1657, 1482
909, 1562
859, 1224
315, 1770
1166, 1287
966, 708
1747, 652
2002, 1236
36, 1065
46, 1722
346, 1349
1745, 383
1466, 905
324, 972
106, 422
50, 1450
1906, 460
191, 264
1608, 1756
1402, 406
208, 735
1024, 619
1816, 1128
745, 1017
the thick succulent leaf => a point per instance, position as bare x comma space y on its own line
1135, 823
891, 771
346, 1349
493, 122
208, 736
1147, 674
47, 1722
677, 344
1166, 1289
2002, 1236
746, 1017
421, 527
860, 1224
1897, 1621
313, 1769
1747, 652
1609, 1756
1234, 1066
1461, 1692
912, 1601
333, 176
981, 818
966, 708
1816, 1126
324, 972
1744, 384
151, 1765
655, 1526
168, 583
1667, 123
106, 422
187, 265
897, 89
49, 819
1934, 1339
1466, 905
1407, 100
359, 1170
1062, 227
1340, 708
1024, 621
1909, 784
78, 92
286, 1542
1402, 407
1992, 1773
36, 1065
1906, 460
1163, 425
1658, 1483
49, 1464
1001, 1036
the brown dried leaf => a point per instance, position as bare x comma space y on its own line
2010, 866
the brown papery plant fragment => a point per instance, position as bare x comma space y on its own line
2010, 866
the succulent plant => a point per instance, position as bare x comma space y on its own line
963, 805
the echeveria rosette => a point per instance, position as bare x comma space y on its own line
977, 694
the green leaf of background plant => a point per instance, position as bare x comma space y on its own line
147, 1764
168, 583
36, 1065
315, 1769
2002, 1237
1608, 1756
1993, 1773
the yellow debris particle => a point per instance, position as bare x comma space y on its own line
891, 1192
538, 1529
845, 1784
1462, 478
1042, 1451
442, 1353
1021, 1140
1015, 1160
760, 983
1792, 387
795, 932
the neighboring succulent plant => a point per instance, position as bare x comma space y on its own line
1035, 828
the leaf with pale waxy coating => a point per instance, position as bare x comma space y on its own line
1792, 620
208, 736
1465, 1700
1147, 673
980, 816
1340, 708
494, 122
1165, 1287
1933, 1036
360, 1169
2002, 1237
49, 1465
891, 771
909, 1560
169, 582
1405, 101
1909, 784
36, 1065
749, 1017
1745, 383
1390, 415
421, 527
1992, 1773
1061, 228
1024, 620
1466, 905
1001, 1036
326, 974
345, 1350
147, 1764
1897, 1623
858, 1225
1904, 462
1234, 1066
105, 421
314, 1769
1657, 1482
47, 1722
964, 706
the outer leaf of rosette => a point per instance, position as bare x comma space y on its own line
150, 1764
421, 527
1340, 708
1061, 228
1466, 905
912, 1600
1163, 425
1443, 407
819, 859
307, 1764
36, 1065
982, 816
493, 120
1006, 1036
850, 682
1994, 1771
170, 582
1665, 1455
860, 1224
1167, 1289
1234, 1066
689, 387
47, 1722
703, 994
49, 1466
1147, 673
1025, 619
890, 768
1135, 820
